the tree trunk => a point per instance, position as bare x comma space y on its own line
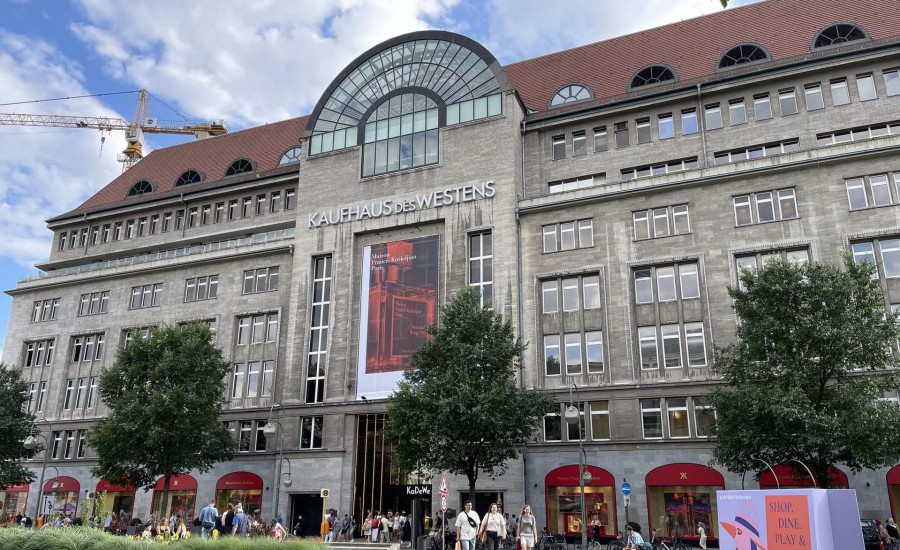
472, 477
164, 511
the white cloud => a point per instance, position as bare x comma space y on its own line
247, 62
45, 171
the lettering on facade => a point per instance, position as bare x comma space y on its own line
390, 207
415, 490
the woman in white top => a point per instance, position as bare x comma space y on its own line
526, 530
495, 526
702, 532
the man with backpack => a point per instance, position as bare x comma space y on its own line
208, 519
241, 524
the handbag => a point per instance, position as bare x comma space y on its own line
458, 546
483, 537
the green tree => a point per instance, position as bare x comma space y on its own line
460, 408
814, 347
164, 394
16, 423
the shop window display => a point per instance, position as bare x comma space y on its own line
63, 492
682, 495
241, 487
564, 501
119, 501
13, 499
182, 496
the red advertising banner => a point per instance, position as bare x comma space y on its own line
398, 302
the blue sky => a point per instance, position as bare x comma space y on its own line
247, 62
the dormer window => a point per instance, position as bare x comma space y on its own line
571, 93
838, 33
652, 74
140, 187
401, 133
188, 177
239, 167
290, 156
743, 53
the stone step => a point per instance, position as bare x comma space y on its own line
361, 544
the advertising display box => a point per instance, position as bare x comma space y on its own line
815, 519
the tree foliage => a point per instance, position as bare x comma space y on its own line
814, 347
15, 425
164, 394
460, 409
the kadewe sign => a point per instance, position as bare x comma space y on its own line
789, 519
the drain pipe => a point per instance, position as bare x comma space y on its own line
701, 120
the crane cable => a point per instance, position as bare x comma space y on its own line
70, 97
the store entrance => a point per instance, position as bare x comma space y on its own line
310, 507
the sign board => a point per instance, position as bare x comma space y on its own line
626, 488
417, 490
788, 519
443, 487
443, 503
627, 499
324, 493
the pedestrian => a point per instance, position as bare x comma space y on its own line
701, 530
324, 528
376, 526
526, 529
367, 527
351, 530
241, 524
208, 519
107, 525
278, 531
493, 528
894, 532
426, 522
180, 527
466, 527
405, 531
227, 520
299, 526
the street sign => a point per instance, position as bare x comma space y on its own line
627, 500
626, 488
443, 503
324, 493
443, 487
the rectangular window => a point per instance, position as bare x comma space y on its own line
550, 240
553, 427
881, 191
579, 144
167, 221
856, 193
41, 394
570, 294
690, 281
621, 134
260, 205
865, 84
591, 291
146, 296
257, 329
641, 222
643, 286
660, 222
62, 240
92, 392
70, 445
95, 234
648, 350
550, 296
651, 419
737, 112
585, 233
681, 219
567, 236
259, 444
290, 201
232, 209
179, 219
890, 257
679, 423
762, 107
275, 202
552, 363
601, 140
559, 147
892, 81
713, 116
576, 431
69, 400
695, 343
481, 266
268, 378
219, 215
253, 378
81, 394
237, 380
201, 288
318, 331
573, 353
192, 217
666, 126
787, 204
643, 130
665, 284
689, 122
311, 432
814, 100
105, 235
704, 416
264, 279
671, 342
600, 421
246, 205
81, 442
840, 95
117, 231
765, 211
55, 445
205, 214
593, 341
787, 100
244, 437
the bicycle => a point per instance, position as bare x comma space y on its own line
674, 543
618, 543
548, 541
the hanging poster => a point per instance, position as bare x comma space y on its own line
398, 301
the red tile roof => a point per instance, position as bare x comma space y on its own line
785, 28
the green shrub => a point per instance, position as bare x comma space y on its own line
76, 538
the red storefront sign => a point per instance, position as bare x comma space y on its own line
65, 485
684, 474
177, 483
104, 485
15, 489
239, 481
789, 476
567, 476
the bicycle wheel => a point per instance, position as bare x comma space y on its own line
615, 545
682, 546
559, 546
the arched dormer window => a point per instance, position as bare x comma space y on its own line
571, 93
140, 187
743, 53
652, 74
401, 133
239, 167
290, 156
188, 177
838, 33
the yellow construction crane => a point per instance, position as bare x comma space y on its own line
140, 124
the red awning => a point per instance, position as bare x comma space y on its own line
177, 483
787, 477
893, 475
104, 485
239, 481
685, 474
567, 476
15, 489
66, 485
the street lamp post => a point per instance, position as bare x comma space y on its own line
573, 415
30, 443
270, 428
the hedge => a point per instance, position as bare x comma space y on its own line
74, 538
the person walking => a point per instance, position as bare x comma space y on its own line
386, 528
701, 530
208, 519
493, 528
324, 529
376, 526
467, 526
894, 532
526, 530
367, 527
241, 525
